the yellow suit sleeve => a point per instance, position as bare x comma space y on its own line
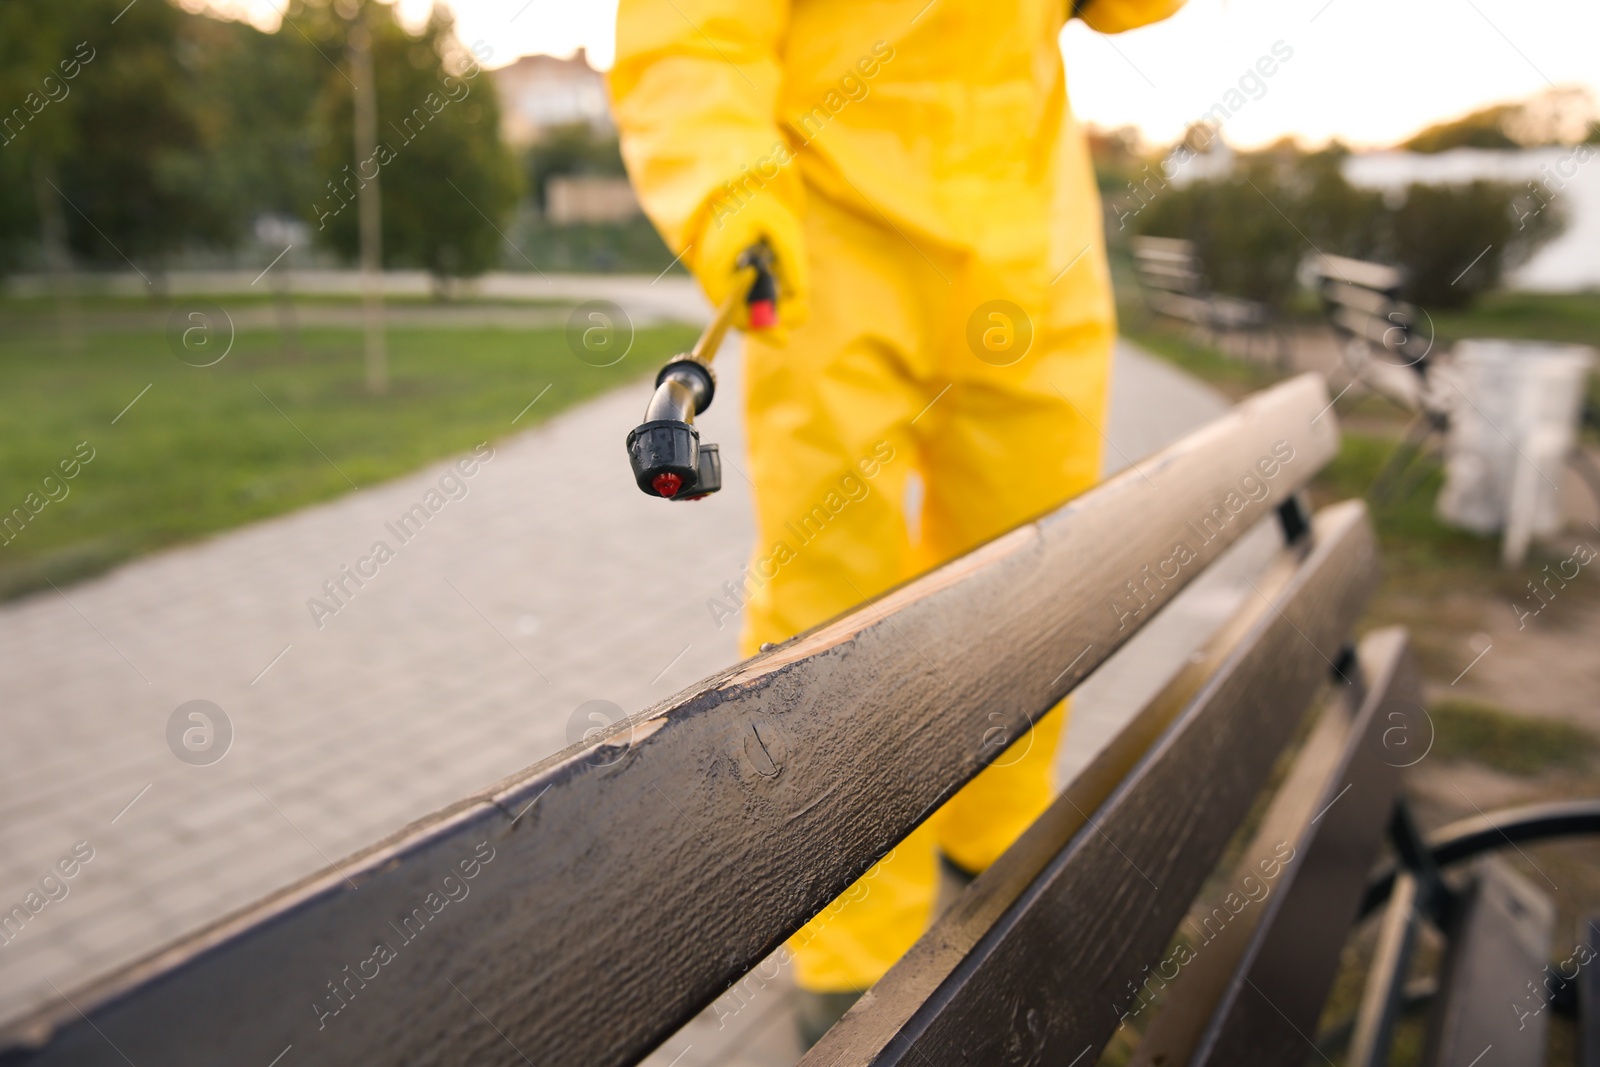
1114, 16
695, 93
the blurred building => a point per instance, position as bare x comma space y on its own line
1200, 156
590, 198
543, 95
541, 92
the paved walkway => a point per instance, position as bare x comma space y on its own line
467, 657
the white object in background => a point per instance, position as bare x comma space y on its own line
1543, 451
1514, 422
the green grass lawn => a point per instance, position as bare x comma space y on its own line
1416, 544
204, 449
1571, 317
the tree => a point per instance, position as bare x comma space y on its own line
1457, 241
448, 181
257, 91
1339, 218
1454, 242
1558, 115
1484, 128
135, 170
171, 130
1238, 224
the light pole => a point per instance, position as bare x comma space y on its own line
369, 205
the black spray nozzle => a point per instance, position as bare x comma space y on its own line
664, 451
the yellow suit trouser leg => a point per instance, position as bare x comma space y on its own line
837, 420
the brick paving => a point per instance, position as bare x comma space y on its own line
464, 659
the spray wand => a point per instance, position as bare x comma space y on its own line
664, 450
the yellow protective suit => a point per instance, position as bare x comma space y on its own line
946, 309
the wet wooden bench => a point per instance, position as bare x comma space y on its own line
582, 911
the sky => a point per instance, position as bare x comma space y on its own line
1369, 72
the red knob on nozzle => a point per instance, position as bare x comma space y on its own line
763, 314
667, 484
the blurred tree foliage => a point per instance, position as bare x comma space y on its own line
1240, 226
259, 89
1559, 115
1336, 216
571, 149
131, 133
1484, 128
1457, 241
104, 144
447, 181
1253, 227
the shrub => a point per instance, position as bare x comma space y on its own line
1241, 229
1339, 218
1457, 241
1252, 227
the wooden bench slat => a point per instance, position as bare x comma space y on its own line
1358, 297
1382, 332
1360, 272
1174, 278
1400, 384
1499, 946
1383, 997
1228, 312
1188, 1004
1036, 986
1172, 274
968, 919
636, 876
1277, 995
1169, 247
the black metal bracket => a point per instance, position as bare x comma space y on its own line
1435, 898
1294, 520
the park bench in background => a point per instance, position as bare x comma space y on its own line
1383, 350
1175, 285
1389, 351
1382, 345
580, 912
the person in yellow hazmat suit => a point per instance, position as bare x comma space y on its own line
945, 312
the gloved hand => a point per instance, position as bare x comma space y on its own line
726, 235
